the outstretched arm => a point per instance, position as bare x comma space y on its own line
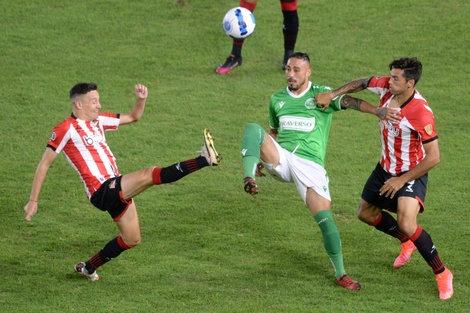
324, 99
348, 102
32, 206
141, 92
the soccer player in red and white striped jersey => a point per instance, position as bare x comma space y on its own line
409, 151
81, 137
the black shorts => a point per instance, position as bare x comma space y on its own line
109, 198
414, 189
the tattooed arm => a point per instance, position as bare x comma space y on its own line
323, 99
348, 102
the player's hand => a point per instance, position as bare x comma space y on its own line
258, 172
389, 114
323, 99
30, 208
141, 91
391, 187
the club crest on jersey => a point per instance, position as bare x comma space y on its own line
310, 104
392, 130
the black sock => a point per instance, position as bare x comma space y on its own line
237, 47
426, 248
290, 29
110, 251
389, 225
177, 171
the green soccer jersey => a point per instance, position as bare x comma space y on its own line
303, 127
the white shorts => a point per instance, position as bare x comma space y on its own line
304, 173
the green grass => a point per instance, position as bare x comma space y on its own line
208, 247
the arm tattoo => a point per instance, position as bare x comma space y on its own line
381, 113
348, 102
354, 86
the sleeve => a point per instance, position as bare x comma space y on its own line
379, 85
335, 104
422, 121
59, 137
273, 119
109, 121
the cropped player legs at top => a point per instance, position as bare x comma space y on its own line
290, 30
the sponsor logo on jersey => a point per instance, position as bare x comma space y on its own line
244, 151
310, 104
91, 140
305, 124
53, 136
281, 104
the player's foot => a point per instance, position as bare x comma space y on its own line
348, 283
444, 284
407, 249
231, 62
80, 269
250, 186
208, 150
287, 54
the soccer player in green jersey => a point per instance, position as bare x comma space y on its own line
294, 149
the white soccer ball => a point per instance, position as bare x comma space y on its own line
239, 23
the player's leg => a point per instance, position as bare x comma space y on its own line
383, 221
256, 146
290, 28
109, 198
408, 209
235, 57
321, 210
135, 183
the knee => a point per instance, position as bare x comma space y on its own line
367, 213
252, 126
407, 227
134, 241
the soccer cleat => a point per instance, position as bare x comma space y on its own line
444, 284
250, 186
208, 150
348, 283
229, 63
407, 249
80, 269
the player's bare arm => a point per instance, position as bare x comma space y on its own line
32, 206
348, 102
324, 99
432, 158
141, 92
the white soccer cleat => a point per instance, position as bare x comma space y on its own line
208, 150
80, 269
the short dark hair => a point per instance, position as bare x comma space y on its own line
82, 89
412, 68
300, 55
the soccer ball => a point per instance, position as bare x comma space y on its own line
239, 23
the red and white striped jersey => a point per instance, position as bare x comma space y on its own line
402, 143
85, 147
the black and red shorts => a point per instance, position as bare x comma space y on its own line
414, 189
109, 198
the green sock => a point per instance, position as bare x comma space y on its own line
253, 138
331, 240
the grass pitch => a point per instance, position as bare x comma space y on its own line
207, 246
